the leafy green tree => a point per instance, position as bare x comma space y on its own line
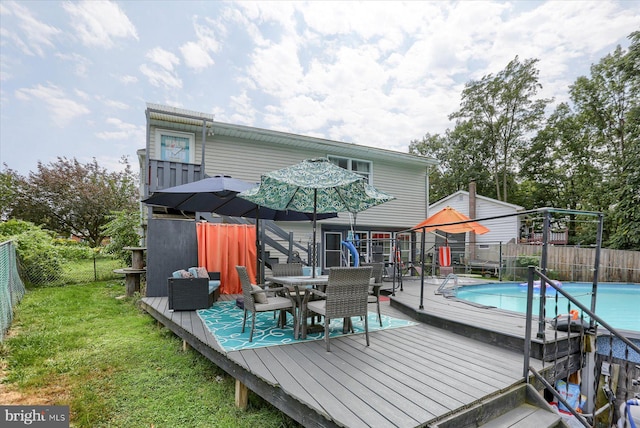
626, 217
9, 191
122, 231
69, 197
499, 114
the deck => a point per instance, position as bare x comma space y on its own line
408, 377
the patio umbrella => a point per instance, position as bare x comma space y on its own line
217, 194
315, 186
442, 221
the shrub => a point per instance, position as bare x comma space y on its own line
73, 251
35, 248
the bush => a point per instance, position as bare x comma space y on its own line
35, 248
122, 230
526, 261
72, 251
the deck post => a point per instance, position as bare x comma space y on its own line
242, 395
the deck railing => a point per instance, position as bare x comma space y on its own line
585, 329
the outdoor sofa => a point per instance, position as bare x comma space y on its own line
193, 289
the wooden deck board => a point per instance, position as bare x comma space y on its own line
409, 376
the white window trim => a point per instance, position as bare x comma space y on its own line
192, 142
350, 159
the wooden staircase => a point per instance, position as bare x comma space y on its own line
521, 407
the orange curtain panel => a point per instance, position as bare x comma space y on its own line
222, 247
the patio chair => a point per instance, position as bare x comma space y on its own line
256, 299
374, 290
287, 269
346, 296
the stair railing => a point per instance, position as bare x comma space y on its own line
595, 321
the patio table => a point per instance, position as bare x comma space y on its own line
298, 284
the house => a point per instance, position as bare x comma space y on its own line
468, 248
184, 146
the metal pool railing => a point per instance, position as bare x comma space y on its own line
11, 286
608, 410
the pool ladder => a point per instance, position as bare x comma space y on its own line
450, 291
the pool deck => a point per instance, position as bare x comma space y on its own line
458, 356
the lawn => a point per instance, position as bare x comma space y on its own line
87, 347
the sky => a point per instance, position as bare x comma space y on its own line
76, 76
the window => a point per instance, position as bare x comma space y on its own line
175, 146
359, 166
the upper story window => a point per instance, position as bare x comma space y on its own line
361, 167
175, 146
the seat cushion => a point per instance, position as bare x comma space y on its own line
259, 297
372, 299
214, 284
317, 306
275, 302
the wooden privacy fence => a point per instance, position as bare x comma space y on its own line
577, 264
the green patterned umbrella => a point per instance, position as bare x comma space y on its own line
315, 186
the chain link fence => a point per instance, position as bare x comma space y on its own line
98, 268
11, 286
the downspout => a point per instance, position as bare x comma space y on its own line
472, 215
146, 179
204, 141
426, 192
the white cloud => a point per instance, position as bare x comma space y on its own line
127, 79
123, 131
161, 70
195, 56
34, 34
98, 23
80, 62
62, 108
116, 104
196, 53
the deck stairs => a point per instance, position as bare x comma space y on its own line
519, 407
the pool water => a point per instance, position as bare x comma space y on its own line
617, 304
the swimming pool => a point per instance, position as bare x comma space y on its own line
618, 304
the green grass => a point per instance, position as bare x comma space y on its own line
112, 364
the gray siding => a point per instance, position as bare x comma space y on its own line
247, 160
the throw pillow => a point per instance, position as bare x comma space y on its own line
201, 272
259, 297
185, 274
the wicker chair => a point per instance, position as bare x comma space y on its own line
345, 297
254, 304
287, 269
374, 290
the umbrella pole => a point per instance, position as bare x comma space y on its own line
314, 254
259, 257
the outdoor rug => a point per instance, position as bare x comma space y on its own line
224, 321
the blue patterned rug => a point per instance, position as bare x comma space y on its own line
224, 321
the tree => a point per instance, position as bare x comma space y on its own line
500, 114
459, 163
9, 193
608, 105
73, 198
122, 230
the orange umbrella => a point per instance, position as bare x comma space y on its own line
442, 219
